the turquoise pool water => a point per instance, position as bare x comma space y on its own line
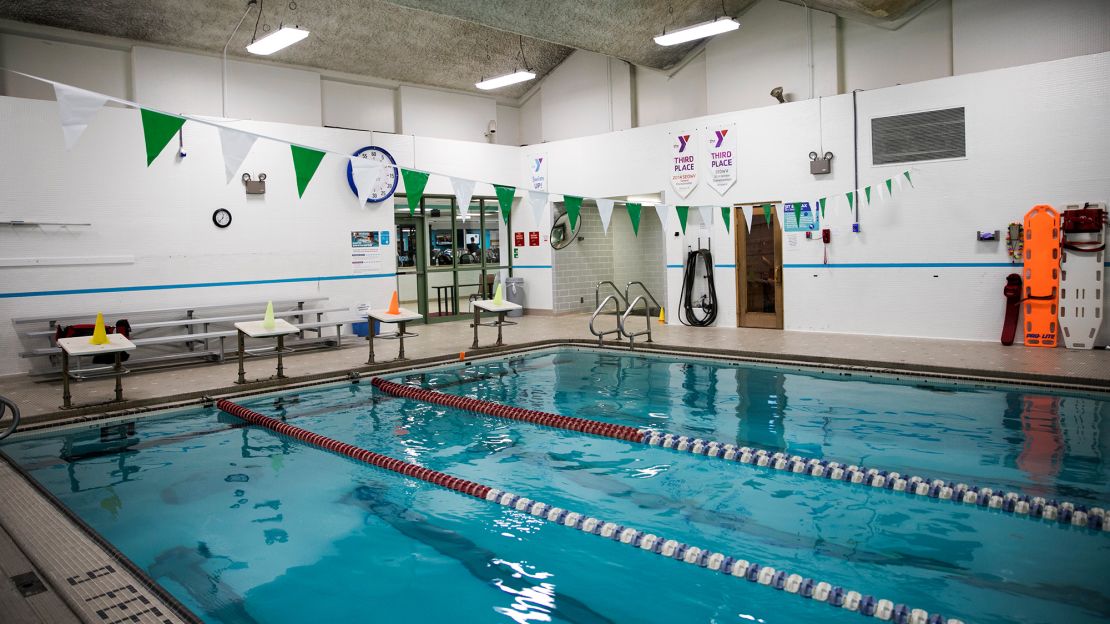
243, 525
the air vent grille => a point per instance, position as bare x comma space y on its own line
931, 135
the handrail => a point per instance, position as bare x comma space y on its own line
601, 335
647, 318
5, 405
621, 298
642, 287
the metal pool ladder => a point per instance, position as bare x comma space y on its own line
632, 307
623, 309
5, 405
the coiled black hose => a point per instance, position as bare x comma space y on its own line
707, 302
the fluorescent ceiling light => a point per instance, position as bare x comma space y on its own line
273, 42
700, 31
506, 80
654, 198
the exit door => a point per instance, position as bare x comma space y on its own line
759, 267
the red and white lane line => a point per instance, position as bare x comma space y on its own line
833, 595
1094, 518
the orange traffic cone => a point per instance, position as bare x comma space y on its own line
394, 307
100, 335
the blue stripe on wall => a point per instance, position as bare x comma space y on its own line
903, 265
531, 266
286, 280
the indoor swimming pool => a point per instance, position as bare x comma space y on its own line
242, 524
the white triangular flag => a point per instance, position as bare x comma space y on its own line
706, 213
235, 146
464, 190
366, 174
664, 212
748, 213
605, 209
538, 201
76, 108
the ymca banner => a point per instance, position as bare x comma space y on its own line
684, 165
720, 142
537, 172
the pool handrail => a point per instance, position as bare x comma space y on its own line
622, 301
5, 405
647, 318
597, 311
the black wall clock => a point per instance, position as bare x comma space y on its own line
222, 217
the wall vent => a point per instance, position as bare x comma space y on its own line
931, 135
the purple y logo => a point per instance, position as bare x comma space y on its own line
538, 161
682, 140
720, 137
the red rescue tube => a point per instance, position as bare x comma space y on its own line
607, 430
477, 490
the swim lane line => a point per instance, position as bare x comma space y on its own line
833, 595
1010, 502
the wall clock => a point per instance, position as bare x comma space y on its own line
387, 183
222, 217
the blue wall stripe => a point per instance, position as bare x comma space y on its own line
531, 266
286, 280
904, 265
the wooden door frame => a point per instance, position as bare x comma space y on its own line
756, 319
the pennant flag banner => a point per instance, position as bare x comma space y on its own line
574, 207
505, 200
415, 181
726, 216
305, 163
538, 201
888, 189
908, 178
867, 193
664, 212
797, 215
158, 129
748, 214
822, 203
706, 214
767, 213
605, 209
366, 173
464, 190
634, 216
235, 146
683, 215
76, 108
851, 199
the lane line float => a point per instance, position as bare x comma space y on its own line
821, 591
1064, 512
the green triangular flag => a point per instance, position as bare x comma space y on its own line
415, 181
798, 215
767, 213
822, 203
305, 163
726, 215
851, 199
683, 213
890, 192
634, 216
573, 205
867, 192
908, 178
505, 200
158, 129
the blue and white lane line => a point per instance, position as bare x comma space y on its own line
1010, 502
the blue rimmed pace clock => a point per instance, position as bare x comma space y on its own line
387, 182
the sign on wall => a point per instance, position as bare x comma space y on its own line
538, 172
366, 252
684, 165
799, 217
720, 142
518, 239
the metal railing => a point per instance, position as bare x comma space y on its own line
643, 288
5, 405
619, 329
622, 300
647, 325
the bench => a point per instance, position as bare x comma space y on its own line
200, 338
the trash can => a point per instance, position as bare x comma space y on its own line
514, 292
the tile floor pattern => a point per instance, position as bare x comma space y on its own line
39, 399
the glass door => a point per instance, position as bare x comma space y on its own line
410, 261
758, 268
442, 253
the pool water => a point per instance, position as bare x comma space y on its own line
244, 525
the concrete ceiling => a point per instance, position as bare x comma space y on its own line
440, 43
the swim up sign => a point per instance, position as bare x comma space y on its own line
684, 162
720, 151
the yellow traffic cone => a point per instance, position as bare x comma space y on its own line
268, 319
394, 306
100, 335
498, 299
662, 319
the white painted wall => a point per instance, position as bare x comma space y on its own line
875, 57
348, 105
587, 94
661, 97
531, 120
508, 125
445, 115
105, 70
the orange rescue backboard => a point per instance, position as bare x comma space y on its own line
1041, 276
